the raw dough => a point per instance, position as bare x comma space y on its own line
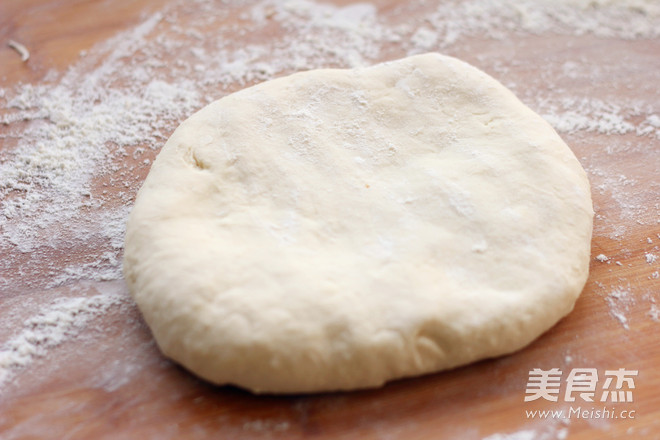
336, 229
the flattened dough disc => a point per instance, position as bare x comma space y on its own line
336, 229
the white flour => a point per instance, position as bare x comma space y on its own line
654, 313
51, 326
619, 301
549, 432
77, 145
518, 435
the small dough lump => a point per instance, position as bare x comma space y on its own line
337, 229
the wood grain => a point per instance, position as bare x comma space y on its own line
77, 392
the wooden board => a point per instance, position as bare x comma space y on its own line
107, 379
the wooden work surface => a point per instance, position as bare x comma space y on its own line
108, 379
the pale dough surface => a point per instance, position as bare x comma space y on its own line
336, 229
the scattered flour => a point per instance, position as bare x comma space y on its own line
631, 207
619, 317
519, 435
602, 258
54, 324
528, 434
619, 301
453, 20
591, 115
552, 429
654, 313
266, 426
